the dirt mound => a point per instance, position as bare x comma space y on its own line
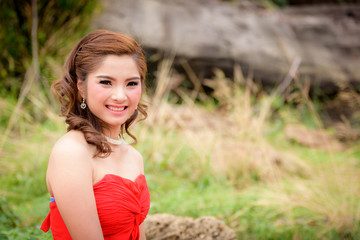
169, 227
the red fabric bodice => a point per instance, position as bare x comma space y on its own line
122, 206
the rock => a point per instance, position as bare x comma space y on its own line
264, 42
169, 227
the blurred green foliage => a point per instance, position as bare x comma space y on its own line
280, 3
57, 23
7, 217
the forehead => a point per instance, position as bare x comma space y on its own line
117, 66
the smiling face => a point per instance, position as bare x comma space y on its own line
113, 91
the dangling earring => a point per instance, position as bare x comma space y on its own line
83, 104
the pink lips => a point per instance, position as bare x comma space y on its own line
116, 109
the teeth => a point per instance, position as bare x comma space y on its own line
116, 108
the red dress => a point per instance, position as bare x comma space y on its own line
122, 206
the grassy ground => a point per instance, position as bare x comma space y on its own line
233, 160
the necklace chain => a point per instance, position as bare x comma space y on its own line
113, 141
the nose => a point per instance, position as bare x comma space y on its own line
118, 94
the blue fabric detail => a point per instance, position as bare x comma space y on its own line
52, 199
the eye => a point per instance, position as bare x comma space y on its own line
105, 82
133, 83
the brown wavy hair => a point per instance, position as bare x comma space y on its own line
84, 59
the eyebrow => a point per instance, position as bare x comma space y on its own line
111, 78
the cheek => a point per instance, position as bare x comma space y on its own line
96, 94
135, 95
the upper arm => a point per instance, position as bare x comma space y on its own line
70, 180
142, 231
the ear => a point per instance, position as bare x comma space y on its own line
81, 87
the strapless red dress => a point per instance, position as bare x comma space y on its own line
122, 206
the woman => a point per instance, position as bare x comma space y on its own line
96, 181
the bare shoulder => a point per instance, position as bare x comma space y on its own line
71, 155
71, 142
71, 146
71, 151
135, 152
135, 155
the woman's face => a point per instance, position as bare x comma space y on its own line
113, 91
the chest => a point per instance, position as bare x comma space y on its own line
120, 162
122, 204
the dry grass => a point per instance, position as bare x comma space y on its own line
231, 136
332, 194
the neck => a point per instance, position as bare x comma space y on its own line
112, 133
